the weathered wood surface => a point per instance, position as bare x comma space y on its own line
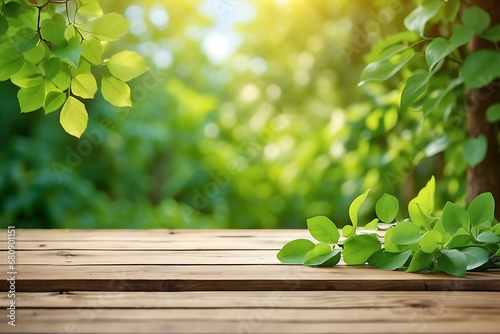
226, 281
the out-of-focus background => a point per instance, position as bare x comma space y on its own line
250, 117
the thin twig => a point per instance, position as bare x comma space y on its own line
38, 28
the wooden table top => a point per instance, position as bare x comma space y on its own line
225, 281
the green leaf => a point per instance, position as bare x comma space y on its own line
110, 27
84, 85
36, 54
450, 10
460, 240
90, 8
25, 39
387, 208
53, 101
421, 207
476, 18
62, 78
418, 18
482, 209
12, 9
432, 104
480, 68
26, 75
454, 217
127, 65
31, 98
452, 262
115, 91
430, 241
320, 254
488, 237
347, 231
492, 34
53, 29
439, 48
389, 261
475, 150
295, 251
10, 61
414, 87
476, 257
51, 67
353, 212
74, 117
406, 233
327, 260
493, 113
358, 248
420, 261
372, 225
387, 67
70, 52
389, 244
92, 51
323, 229
4, 25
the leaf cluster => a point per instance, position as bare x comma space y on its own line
424, 90
453, 240
53, 51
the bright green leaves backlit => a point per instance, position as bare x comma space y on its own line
358, 248
353, 214
84, 85
116, 91
110, 27
323, 230
453, 242
295, 251
389, 65
421, 207
127, 65
387, 208
55, 61
303, 251
417, 19
74, 117
32, 96
10, 61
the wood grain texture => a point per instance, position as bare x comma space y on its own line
238, 277
257, 299
263, 320
226, 281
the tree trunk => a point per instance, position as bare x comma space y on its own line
485, 177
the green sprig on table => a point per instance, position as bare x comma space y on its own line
453, 240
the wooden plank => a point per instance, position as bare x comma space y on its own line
86, 257
156, 235
263, 320
238, 277
149, 235
257, 299
232, 243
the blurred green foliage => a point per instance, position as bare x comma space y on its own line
250, 118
